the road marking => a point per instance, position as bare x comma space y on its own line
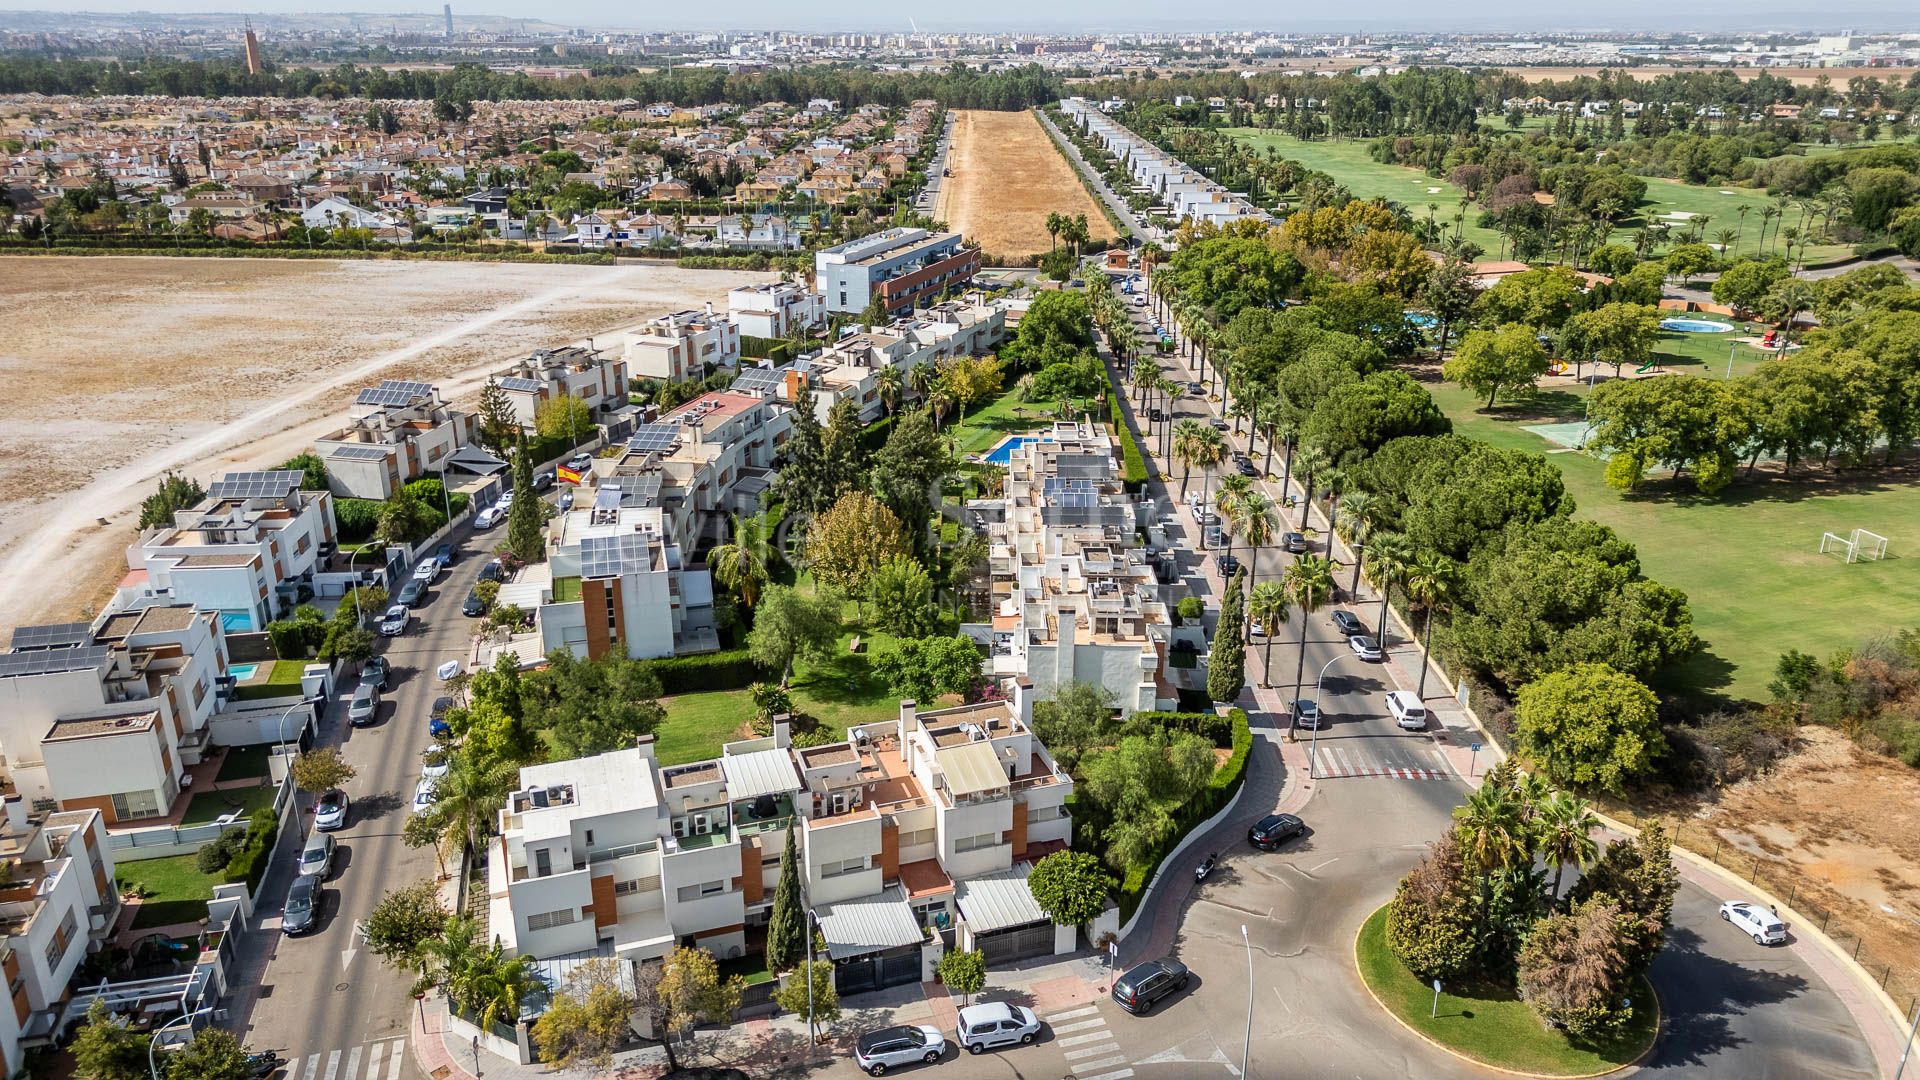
1074, 1014
313, 1066
353, 1062
1081, 1040
1117, 1074
1103, 1063
1067, 1029
1324, 865
333, 1065
396, 1057
375, 1051
1076, 1055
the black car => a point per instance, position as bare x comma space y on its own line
299, 914
1156, 415
1227, 564
1246, 468
1275, 829
413, 593
376, 672
1349, 624
1196, 388
1141, 986
493, 571
1293, 543
474, 607
1219, 424
447, 554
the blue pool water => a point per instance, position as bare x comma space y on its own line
1003, 454
242, 672
1421, 320
1695, 326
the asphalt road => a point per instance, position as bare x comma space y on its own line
334, 1010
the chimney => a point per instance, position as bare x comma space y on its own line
1022, 699
782, 730
906, 720
644, 743
16, 813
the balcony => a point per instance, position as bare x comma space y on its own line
697, 842
621, 852
750, 819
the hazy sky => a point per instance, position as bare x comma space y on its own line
1107, 15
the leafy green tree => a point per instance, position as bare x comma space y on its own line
849, 543
563, 417
902, 597
964, 972
175, 492
403, 922
1227, 661
909, 469
1308, 581
1570, 972
404, 520
1619, 334
805, 480
1430, 921
107, 1049
787, 921
525, 538
587, 1019
1449, 292
1747, 282
968, 380
791, 625
844, 451
594, 706
1136, 787
694, 992
1490, 361
1543, 298
1590, 727
321, 770
1687, 260
312, 470
498, 427
212, 1054
819, 1003
1071, 887
1076, 719
1639, 875
923, 669
1357, 417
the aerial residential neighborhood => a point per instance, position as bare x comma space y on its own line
564, 541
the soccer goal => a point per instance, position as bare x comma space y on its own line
1868, 545
1835, 544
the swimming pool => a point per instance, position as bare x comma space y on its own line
1420, 320
242, 672
1695, 326
1003, 454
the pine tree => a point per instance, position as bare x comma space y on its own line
786, 923
523, 520
805, 478
1227, 665
497, 423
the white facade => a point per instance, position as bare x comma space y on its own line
58, 905
395, 433
775, 309
599, 381
680, 346
619, 586
242, 551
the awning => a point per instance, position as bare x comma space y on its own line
869, 924
761, 772
971, 768
998, 901
475, 459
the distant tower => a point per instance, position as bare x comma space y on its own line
447, 10
254, 66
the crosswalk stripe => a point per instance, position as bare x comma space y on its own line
1068, 1029
353, 1062
1117, 1074
1440, 758
374, 1053
333, 1065
1081, 1040
313, 1066
1073, 1014
396, 1055
1076, 1055
1103, 1063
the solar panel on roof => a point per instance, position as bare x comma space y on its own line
406, 386
52, 636
756, 380
654, 438
256, 485
528, 386
51, 661
635, 489
360, 453
611, 556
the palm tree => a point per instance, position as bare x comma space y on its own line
744, 564
1209, 453
1430, 582
1054, 224
1741, 213
1267, 605
1564, 825
493, 985
1361, 509
1254, 519
1188, 434
1233, 487
1309, 584
469, 796
889, 383
1310, 460
1392, 558
1493, 835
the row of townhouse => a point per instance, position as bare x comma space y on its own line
915, 836
849, 368
689, 344
58, 904
900, 267
1183, 190
395, 433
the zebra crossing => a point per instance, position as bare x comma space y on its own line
1091, 1052
1390, 760
370, 1061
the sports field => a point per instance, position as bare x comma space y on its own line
1671, 201
1749, 559
1007, 177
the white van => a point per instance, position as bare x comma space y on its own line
1407, 711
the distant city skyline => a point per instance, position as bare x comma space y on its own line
1106, 16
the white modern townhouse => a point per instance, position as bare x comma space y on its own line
395, 433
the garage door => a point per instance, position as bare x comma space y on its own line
1018, 943
877, 971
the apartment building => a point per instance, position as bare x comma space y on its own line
599, 381
247, 551
619, 586
901, 267
1186, 192
775, 309
682, 345
395, 433
709, 458
1075, 598
107, 716
57, 904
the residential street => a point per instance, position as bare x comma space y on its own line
1119, 205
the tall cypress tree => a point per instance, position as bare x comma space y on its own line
1227, 664
787, 923
523, 520
805, 480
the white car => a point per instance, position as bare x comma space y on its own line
1407, 711
996, 1023
433, 769
1364, 646
878, 1051
491, 516
394, 622
423, 794
428, 569
1759, 923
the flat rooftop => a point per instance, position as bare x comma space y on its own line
93, 727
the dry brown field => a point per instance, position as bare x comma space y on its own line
1007, 177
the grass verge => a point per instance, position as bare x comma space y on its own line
283, 681
1498, 1031
180, 892
242, 763
209, 805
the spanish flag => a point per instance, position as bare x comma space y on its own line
567, 475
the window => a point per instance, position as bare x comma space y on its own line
974, 843
844, 866
626, 888
542, 862
547, 920
690, 893
918, 837
69, 926
132, 805
56, 948
589, 838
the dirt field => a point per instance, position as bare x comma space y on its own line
119, 369
1007, 177
1836, 831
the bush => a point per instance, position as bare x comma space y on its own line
728, 670
214, 857
778, 350
1219, 729
1191, 609
251, 863
357, 518
1219, 792
1133, 466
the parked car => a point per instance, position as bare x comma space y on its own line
1196, 388
1306, 714
437, 725
580, 461
565, 501
1139, 301
878, 1051
428, 570
1348, 623
423, 793
1273, 830
300, 914
544, 481
316, 858
493, 571
1207, 518
446, 555
1256, 628
330, 812
1407, 711
413, 593
376, 672
490, 516
1227, 564
996, 1023
365, 706
434, 761
1293, 543
1245, 467
394, 622
1155, 415
1147, 983
1759, 923
1365, 646
474, 607
1219, 424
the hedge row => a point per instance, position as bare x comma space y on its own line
1133, 465
730, 670
759, 260
251, 863
778, 350
1217, 728
1219, 792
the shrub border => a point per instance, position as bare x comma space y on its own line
1219, 795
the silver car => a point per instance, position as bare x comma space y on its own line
365, 706
317, 857
878, 1051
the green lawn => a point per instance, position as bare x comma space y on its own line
1748, 559
1005, 415
208, 805
243, 762
1349, 163
566, 590
1499, 1031
180, 892
282, 681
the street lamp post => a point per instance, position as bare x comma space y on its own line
1320, 721
153, 1067
356, 585
1246, 1047
281, 728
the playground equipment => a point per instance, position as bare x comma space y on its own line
1557, 367
1861, 545
1647, 368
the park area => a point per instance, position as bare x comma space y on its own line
1668, 201
1008, 175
